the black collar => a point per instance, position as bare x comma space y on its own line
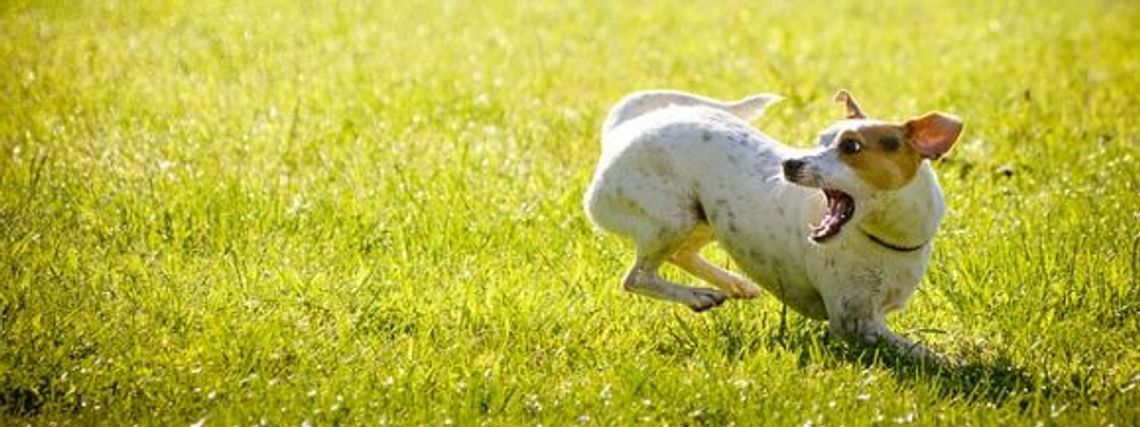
891, 246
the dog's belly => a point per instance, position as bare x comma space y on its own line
767, 238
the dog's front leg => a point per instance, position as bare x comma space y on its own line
860, 324
872, 332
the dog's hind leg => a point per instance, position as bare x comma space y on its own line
688, 257
643, 278
648, 204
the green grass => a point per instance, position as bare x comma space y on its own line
274, 212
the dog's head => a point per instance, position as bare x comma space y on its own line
860, 158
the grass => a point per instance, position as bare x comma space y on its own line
278, 212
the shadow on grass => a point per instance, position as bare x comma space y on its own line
975, 377
20, 401
979, 375
994, 381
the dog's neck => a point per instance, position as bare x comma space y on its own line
907, 217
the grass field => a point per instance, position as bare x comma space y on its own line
276, 212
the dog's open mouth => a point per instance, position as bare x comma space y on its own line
840, 208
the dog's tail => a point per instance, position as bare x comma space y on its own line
749, 108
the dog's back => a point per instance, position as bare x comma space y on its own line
634, 105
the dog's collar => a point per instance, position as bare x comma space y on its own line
891, 246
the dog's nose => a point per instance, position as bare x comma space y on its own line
792, 167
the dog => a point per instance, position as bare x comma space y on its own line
678, 171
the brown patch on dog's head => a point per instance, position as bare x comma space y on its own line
880, 154
888, 155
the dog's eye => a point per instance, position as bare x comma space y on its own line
850, 146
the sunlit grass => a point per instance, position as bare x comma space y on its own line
272, 212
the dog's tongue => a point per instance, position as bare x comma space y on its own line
840, 206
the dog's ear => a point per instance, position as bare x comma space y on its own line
848, 101
933, 134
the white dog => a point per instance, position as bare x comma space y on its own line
678, 171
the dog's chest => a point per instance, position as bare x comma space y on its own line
882, 279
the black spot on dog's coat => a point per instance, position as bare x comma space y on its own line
699, 209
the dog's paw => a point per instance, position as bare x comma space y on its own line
704, 299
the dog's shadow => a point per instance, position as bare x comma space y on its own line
975, 374
971, 377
